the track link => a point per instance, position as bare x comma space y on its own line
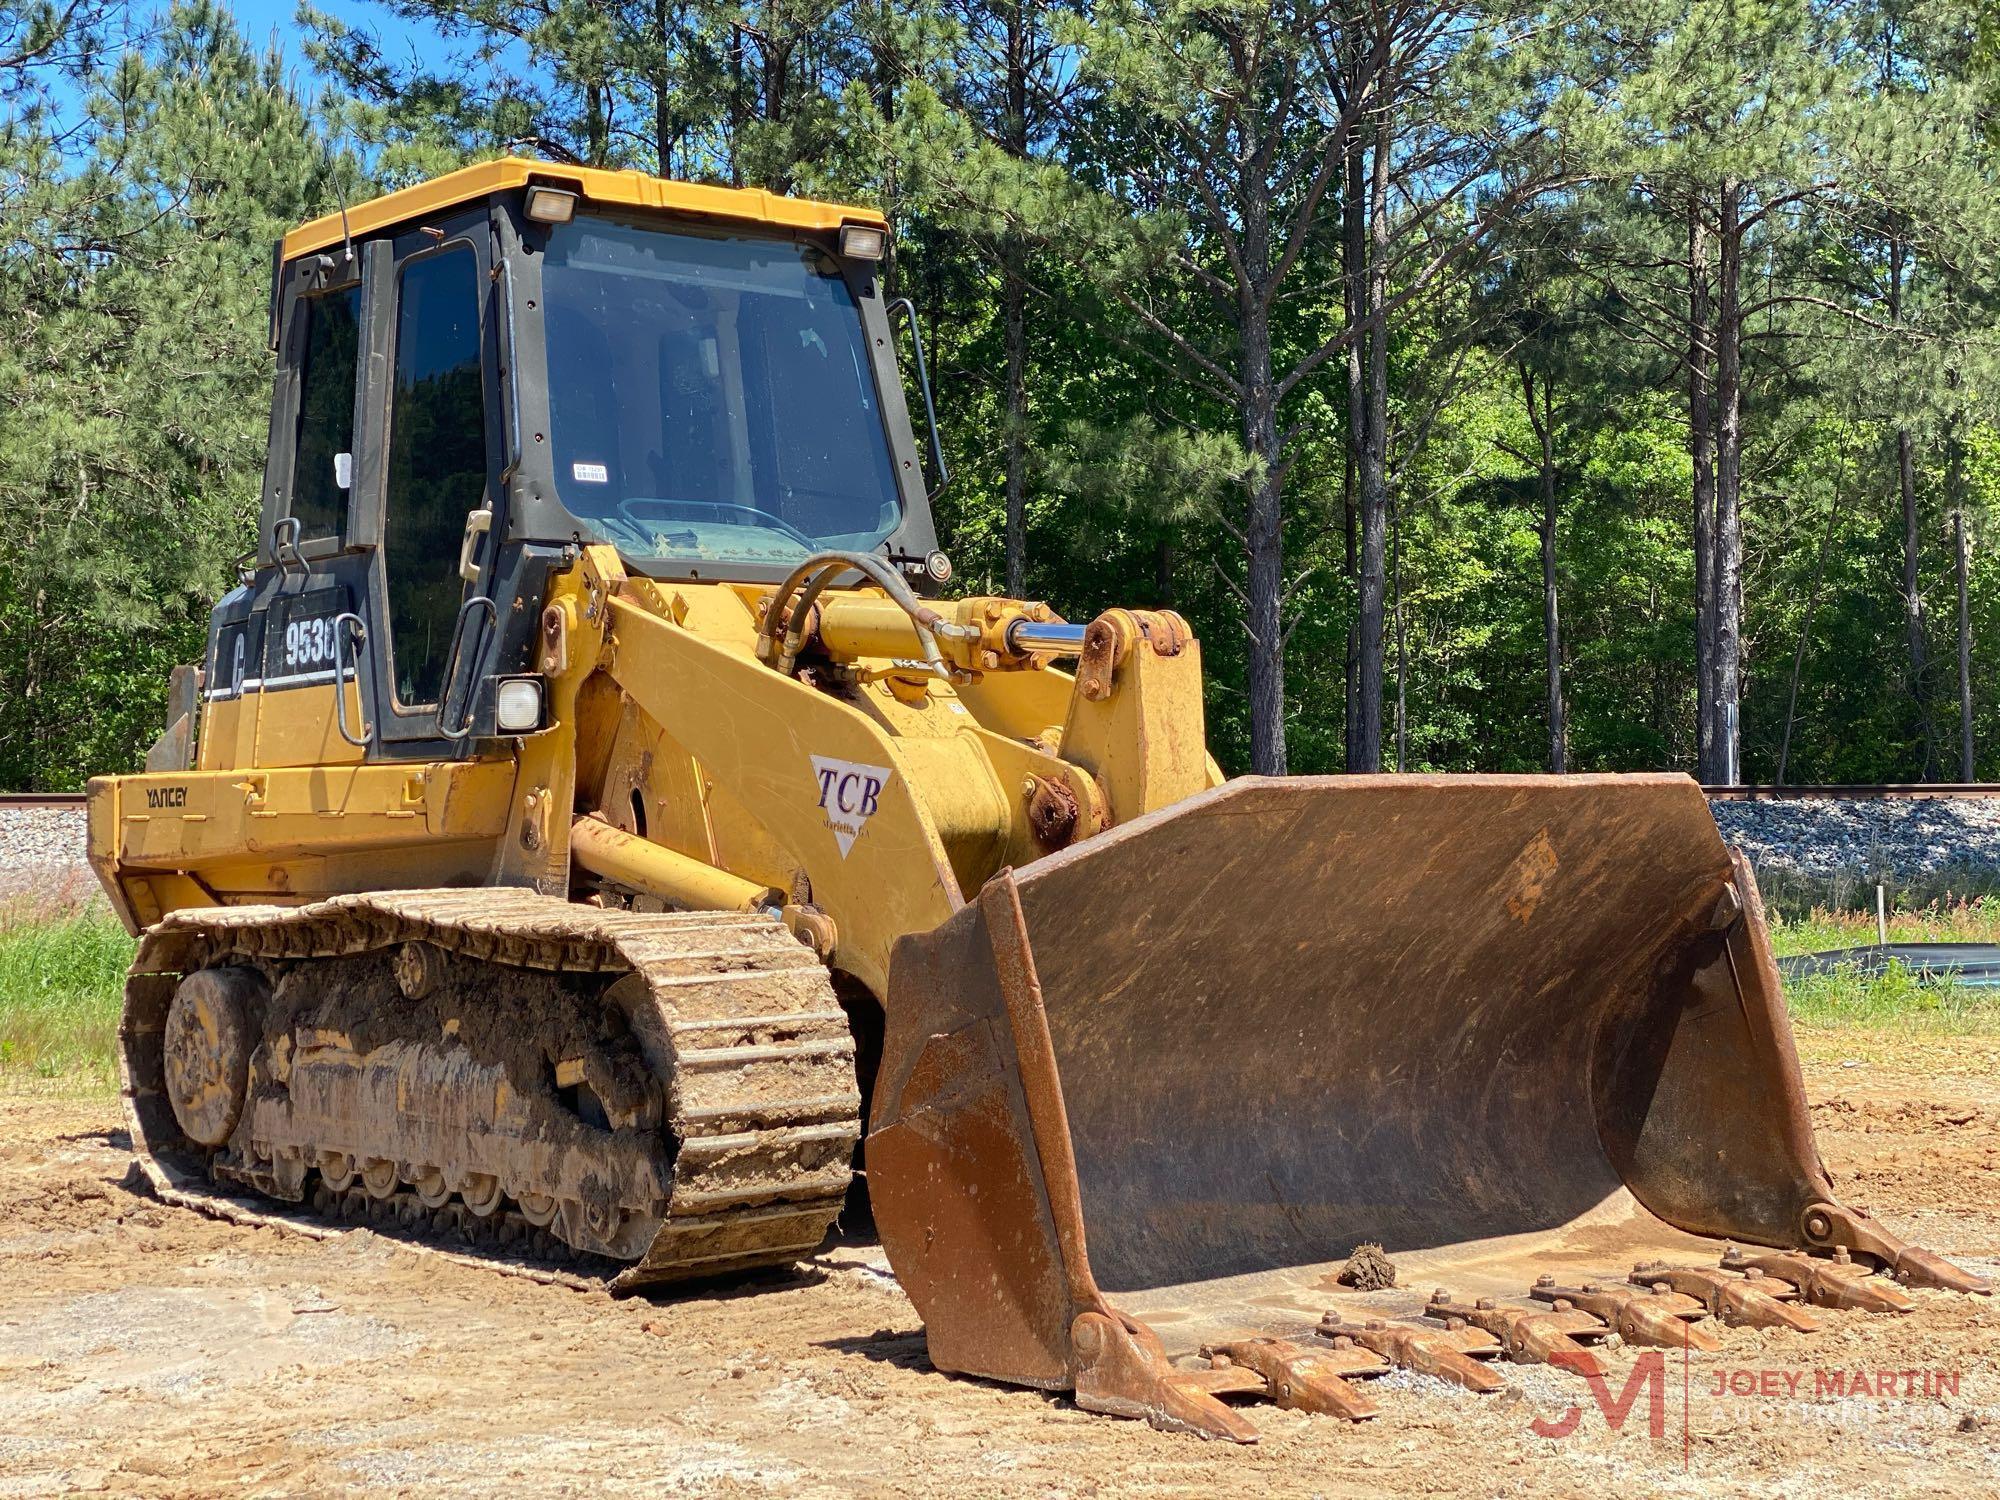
737, 1148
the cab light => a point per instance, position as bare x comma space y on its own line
863, 242
547, 205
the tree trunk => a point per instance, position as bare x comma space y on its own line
1544, 425
1965, 757
1351, 658
596, 124
1354, 294
1264, 533
1729, 488
1373, 473
666, 127
777, 58
882, 86
1402, 640
1954, 485
777, 80
1701, 452
1913, 595
1014, 307
1014, 320
1917, 675
665, 133
1263, 541
739, 100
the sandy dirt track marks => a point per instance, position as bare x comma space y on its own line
148, 1350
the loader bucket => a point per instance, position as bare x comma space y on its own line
1189, 1061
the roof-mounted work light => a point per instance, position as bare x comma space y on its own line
549, 205
863, 242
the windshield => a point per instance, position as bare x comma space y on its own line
710, 397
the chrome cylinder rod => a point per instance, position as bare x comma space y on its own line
1024, 636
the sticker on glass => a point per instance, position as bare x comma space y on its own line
591, 473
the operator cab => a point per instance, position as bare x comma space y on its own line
712, 398
480, 374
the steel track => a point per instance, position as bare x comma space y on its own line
760, 1091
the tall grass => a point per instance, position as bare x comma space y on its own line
1974, 920
62, 978
63, 962
1793, 893
1893, 1001
1896, 1000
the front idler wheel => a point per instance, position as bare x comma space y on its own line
211, 1032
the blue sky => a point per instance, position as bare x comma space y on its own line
405, 45
401, 41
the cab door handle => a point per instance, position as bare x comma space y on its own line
477, 524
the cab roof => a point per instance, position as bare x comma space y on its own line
613, 189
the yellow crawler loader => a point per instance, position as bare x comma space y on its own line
595, 837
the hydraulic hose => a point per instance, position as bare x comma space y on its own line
816, 574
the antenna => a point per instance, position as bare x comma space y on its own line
547, 147
340, 197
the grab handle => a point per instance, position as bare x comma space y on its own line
451, 661
340, 624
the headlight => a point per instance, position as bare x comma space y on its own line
517, 705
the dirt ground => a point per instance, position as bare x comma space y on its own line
152, 1351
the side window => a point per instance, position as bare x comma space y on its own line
326, 409
437, 463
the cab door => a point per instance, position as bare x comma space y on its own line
434, 461
278, 689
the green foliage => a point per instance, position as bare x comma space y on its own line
1059, 151
1912, 918
62, 981
135, 379
1895, 1001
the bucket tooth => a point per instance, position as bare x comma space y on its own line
1448, 1353
1735, 1301
1926, 1268
1298, 1378
1838, 1283
1121, 1371
1223, 1379
1528, 1336
1836, 1226
1650, 1316
1770, 1286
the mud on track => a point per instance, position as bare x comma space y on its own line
148, 1350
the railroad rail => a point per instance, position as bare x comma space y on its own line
1855, 793
41, 799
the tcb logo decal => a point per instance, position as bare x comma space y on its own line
849, 793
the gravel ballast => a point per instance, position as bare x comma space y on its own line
1902, 838
41, 851
1885, 838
